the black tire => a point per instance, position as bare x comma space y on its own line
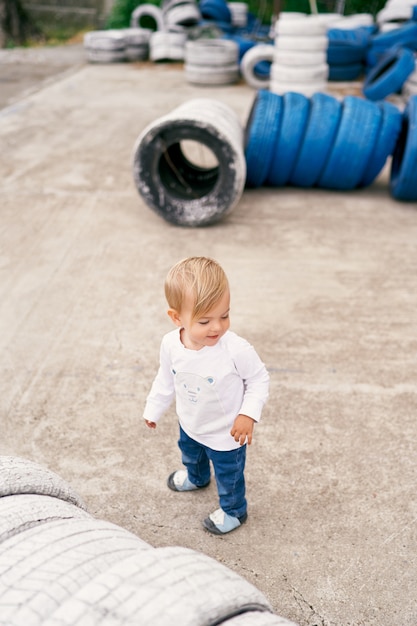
181, 192
322, 126
19, 475
262, 131
389, 75
385, 143
403, 176
294, 123
354, 142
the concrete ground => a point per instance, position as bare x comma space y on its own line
324, 284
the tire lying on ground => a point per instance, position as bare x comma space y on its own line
137, 43
386, 142
353, 145
183, 189
211, 62
167, 46
390, 74
323, 123
296, 108
105, 46
403, 176
262, 131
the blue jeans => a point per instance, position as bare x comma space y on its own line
228, 467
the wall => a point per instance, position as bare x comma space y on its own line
79, 13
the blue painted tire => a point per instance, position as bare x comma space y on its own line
405, 36
293, 126
262, 130
385, 143
322, 125
354, 143
347, 46
343, 73
216, 10
403, 177
389, 75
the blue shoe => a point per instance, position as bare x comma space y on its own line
179, 481
220, 523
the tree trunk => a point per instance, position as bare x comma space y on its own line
15, 24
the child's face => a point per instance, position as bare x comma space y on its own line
205, 330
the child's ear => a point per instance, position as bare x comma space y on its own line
175, 316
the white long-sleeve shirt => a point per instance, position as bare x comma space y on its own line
211, 386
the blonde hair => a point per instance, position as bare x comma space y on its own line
202, 278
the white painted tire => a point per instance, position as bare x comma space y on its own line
186, 15
19, 476
299, 74
311, 25
310, 44
147, 10
43, 566
166, 46
184, 194
205, 75
107, 40
260, 52
299, 58
137, 43
21, 512
211, 52
106, 56
239, 13
162, 586
307, 89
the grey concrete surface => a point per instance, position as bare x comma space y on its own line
323, 284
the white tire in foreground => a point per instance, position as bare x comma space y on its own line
179, 188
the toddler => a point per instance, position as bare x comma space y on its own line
220, 385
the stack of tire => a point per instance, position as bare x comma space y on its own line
137, 43
238, 14
60, 565
320, 141
346, 53
211, 62
300, 55
105, 46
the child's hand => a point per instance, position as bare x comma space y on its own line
150, 424
242, 429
